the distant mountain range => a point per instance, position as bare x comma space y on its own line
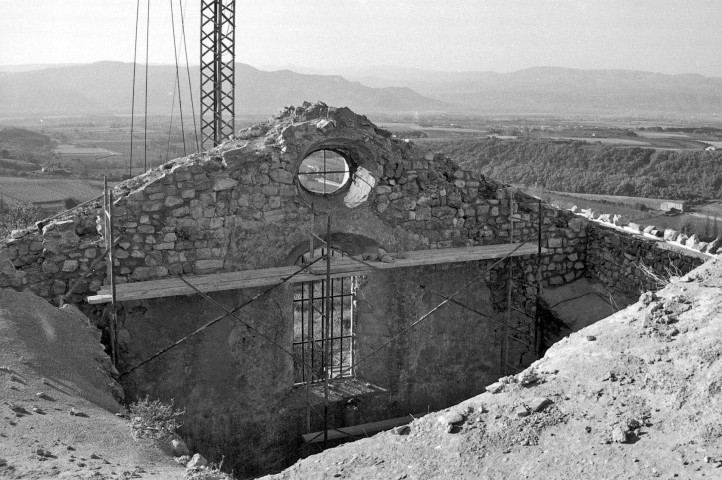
105, 88
31, 66
556, 90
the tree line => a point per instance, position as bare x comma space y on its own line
579, 167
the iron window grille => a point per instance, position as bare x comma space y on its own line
309, 336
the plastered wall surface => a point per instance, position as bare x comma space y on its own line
238, 390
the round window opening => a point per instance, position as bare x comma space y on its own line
324, 172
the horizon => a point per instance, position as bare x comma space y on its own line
343, 69
641, 35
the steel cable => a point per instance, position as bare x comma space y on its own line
132, 107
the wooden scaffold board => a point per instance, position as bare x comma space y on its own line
341, 267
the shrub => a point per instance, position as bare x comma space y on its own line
15, 216
207, 473
153, 418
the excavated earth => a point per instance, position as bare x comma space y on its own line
58, 401
637, 395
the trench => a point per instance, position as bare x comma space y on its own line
246, 402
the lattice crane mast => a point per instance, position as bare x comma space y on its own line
218, 55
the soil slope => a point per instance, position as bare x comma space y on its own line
58, 402
637, 395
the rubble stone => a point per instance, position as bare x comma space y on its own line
537, 404
495, 387
197, 461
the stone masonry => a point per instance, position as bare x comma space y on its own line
240, 206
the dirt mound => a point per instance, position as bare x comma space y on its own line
637, 395
57, 399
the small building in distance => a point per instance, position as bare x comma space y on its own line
54, 170
672, 205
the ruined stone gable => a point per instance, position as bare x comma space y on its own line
240, 206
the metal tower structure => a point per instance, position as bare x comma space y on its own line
218, 54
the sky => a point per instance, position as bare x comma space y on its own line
666, 36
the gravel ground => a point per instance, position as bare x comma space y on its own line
58, 402
637, 395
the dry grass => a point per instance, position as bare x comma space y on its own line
153, 418
672, 273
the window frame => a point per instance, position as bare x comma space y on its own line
347, 179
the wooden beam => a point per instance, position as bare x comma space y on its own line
365, 430
340, 267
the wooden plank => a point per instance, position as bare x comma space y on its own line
205, 283
341, 267
462, 255
360, 430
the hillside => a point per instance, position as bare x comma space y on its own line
583, 168
637, 395
106, 88
58, 402
23, 144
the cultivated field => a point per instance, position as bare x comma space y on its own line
44, 190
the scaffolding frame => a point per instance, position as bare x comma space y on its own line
110, 245
111, 242
533, 345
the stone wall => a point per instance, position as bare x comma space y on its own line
617, 258
50, 259
668, 235
240, 206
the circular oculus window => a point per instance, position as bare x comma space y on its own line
324, 172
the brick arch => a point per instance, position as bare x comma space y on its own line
351, 243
